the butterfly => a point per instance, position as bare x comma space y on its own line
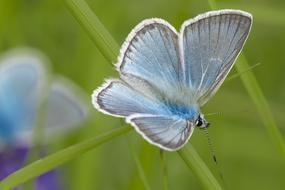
24, 88
167, 76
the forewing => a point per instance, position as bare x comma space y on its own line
151, 53
21, 83
169, 133
119, 99
211, 43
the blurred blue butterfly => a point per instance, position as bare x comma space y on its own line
165, 76
23, 88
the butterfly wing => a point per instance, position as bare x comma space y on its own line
151, 53
119, 99
65, 107
169, 133
211, 43
21, 81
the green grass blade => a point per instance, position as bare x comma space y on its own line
94, 28
139, 166
213, 4
255, 92
199, 168
43, 165
146, 155
141, 172
138, 163
164, 169
238, 74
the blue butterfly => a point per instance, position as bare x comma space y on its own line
23, 88
166, 76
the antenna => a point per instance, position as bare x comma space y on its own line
210, 145
213, 153
213, 113
232, 112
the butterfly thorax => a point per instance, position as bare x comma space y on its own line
188, 112
183, 111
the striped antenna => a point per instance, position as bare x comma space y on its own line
213, 153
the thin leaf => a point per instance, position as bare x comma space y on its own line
238, 74
147, 159
94, 28
255, 92
199, 168
213, 4
164, 170
43, 165
139, 167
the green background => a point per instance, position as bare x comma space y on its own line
246, 155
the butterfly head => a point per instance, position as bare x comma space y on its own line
201, 122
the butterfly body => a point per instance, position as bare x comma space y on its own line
184, 112
167, 76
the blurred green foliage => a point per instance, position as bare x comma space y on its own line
246, 154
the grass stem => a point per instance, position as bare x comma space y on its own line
50, 162
199, 168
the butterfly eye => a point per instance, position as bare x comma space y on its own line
199, 122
